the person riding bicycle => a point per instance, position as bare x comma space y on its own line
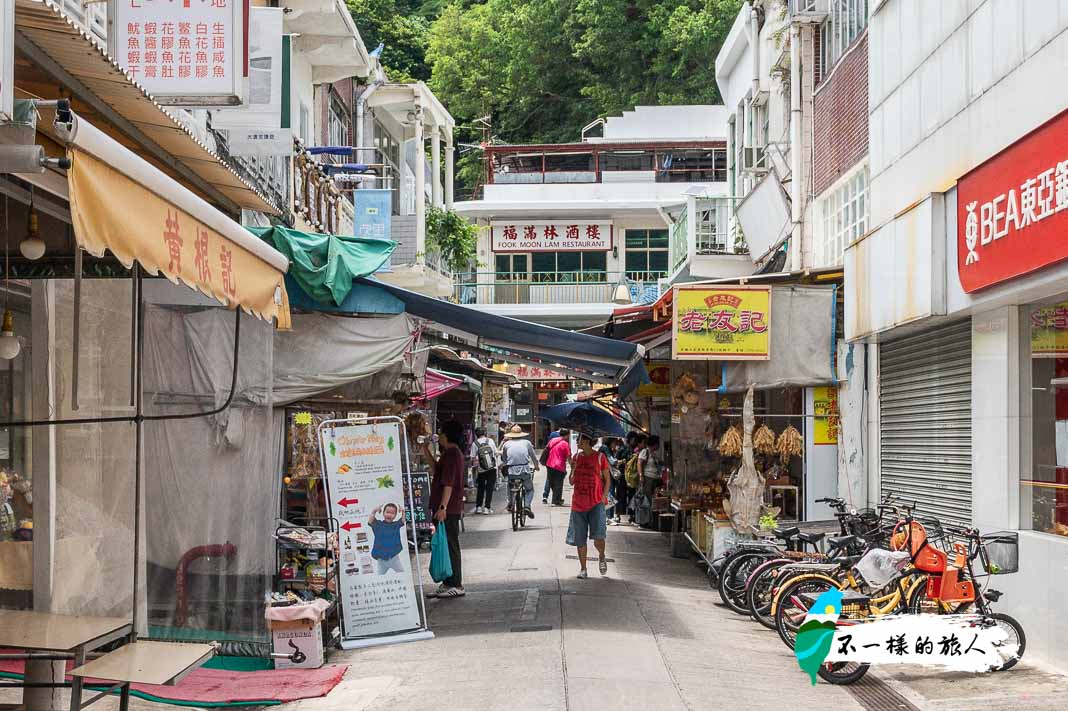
520, 461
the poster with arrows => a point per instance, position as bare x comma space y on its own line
366, 494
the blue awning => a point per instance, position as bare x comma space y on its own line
593, 358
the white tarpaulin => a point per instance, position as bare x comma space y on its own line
802, 342
324, 352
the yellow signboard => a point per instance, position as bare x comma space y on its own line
1049, 331
731, 323
660, 380
825, 408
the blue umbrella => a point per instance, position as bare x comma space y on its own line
585, 418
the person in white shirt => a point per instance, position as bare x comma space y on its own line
520, 461
483, 457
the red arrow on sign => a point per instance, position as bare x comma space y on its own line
349, 526
348, 502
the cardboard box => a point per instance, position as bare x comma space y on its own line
291, 636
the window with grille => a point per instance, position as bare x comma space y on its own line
845, 21
845, 216
711, 230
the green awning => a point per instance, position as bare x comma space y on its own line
325, 265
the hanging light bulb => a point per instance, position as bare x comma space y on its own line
9, 342
33, 247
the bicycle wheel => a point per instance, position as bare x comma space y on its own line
842, 673
790, 608
758, 595
732, 580
1016, 637
517, 512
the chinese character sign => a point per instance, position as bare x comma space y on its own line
722, 324
191, 51
1012, 211
529, 372
825, 409
374, 211
1049, 331
560, 236
365, 481
659, 384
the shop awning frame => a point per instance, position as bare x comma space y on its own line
593, 358
58, 46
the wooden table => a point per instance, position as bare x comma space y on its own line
144, 662
61, 634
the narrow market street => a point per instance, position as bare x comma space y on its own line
651, 635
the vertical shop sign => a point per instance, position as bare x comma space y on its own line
185, 53
366, 495
721, 324
659, 384
374, 210
825, 410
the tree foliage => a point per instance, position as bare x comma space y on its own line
542, 69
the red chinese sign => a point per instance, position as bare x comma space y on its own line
188, 48
529, 372
1012, 211
551, 236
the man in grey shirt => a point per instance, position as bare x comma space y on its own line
520, 461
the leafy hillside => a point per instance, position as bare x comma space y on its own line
542, 69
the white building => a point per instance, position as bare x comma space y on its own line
960, 283
564, 224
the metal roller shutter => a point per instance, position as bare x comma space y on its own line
925, 424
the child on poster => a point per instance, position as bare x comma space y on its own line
388, 530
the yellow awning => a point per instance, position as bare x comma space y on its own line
122, 204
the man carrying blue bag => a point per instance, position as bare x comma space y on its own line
447, 503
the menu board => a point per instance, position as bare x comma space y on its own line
366, 495
417, 490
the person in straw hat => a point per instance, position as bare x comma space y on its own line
520, 461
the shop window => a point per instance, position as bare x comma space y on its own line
845, 217
338, 127
647, 254
513, 267
1044, 470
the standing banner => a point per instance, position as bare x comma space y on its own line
380, 595
187, 54
730, 323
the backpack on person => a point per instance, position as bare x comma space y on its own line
633, 472
487, 456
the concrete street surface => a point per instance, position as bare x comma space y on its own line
650, 636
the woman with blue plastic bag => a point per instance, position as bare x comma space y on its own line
447, 503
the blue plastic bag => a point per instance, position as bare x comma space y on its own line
440, 562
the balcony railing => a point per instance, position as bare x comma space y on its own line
553, 287
590, 165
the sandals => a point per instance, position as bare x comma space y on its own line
602, 565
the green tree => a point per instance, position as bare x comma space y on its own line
402, 27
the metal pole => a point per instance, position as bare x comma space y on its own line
138, 434
77, 327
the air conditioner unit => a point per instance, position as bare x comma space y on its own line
755, 159
809, 9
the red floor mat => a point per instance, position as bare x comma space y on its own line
211, 687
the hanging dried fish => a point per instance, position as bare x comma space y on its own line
730, 445
790, 444
746, 485
764, 440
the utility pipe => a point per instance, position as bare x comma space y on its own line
361, 103
754, 44
795, 147
181, 596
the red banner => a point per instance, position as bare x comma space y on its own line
1012, 211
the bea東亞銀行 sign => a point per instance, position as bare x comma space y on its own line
1012, 211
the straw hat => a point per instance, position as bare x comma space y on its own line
515, 433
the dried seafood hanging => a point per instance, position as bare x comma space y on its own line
730, 445
746, 485
790, 444
764, 440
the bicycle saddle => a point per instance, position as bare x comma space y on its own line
842, 541
812, 538
786, 533
849, 561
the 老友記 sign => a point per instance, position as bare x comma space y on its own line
184, 52
732, 323
1012, 211
551, 236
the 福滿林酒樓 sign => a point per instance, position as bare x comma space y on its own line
730, 323
560, 236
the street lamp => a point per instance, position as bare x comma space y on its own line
621, 294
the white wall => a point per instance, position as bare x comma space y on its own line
668, 122
543, 197
302, 91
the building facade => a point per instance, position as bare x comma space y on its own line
564, 226
958, 282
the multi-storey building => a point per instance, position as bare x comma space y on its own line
958, 283
565, 226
